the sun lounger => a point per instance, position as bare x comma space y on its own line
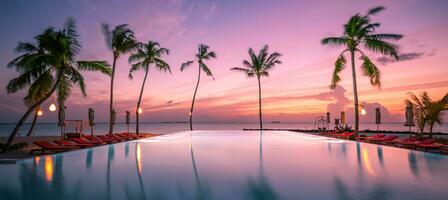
106, 139
116, 138
413, 143
95, 139
69, 143
374, 137
430, 146
47, 146
83, 141
131, 136
383, 139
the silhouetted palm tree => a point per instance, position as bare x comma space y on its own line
203, 54
120, 40
52, 63
259, 66
150, 53
428, 112
360, 31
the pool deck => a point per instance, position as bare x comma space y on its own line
24, 153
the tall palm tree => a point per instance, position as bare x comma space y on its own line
429, 112
203, 54
259, 66
120, 40
149, 53
36, 92
360, 31
51, 64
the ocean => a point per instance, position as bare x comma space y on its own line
51, 129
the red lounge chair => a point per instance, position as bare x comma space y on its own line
374, 137
131, 136
47, 146
106, 139
116, 138
413, 144
430, 146
124, 137
95, 139
407, 141
383, 139
68, 143
345, 135
83, 141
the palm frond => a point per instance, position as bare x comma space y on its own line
207, 71
185, 65
339, 65
384, 36
370, 70
338, 41
382, 47
101, 66
375, 10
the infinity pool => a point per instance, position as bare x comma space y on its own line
230, 165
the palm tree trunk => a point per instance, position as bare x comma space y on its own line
355, 93
194, 97
139, 102
111, 106
36, 111
259, 103
30, 109
431, 125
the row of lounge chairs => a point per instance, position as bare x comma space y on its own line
427, 144
85, 141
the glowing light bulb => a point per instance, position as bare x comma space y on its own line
189, 114
52, 107
39, 113
139, 110
363, 111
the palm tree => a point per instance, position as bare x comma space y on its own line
429, 112
203, 54
360, 31
120, 41
149, 53
259, 66
36, 92
51, 64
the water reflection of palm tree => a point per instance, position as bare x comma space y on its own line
110, 158
138, 160
34, 186
89, 158
380, 155
260, 188
412, 158
201, 191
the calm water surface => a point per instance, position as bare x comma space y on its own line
102, 128
230, 165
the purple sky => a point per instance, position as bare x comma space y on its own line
297, 90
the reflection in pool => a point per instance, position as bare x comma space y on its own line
230, 165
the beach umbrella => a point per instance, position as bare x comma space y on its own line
61, 120
91, 120
377, 118
128, 119
409, 117
343, 117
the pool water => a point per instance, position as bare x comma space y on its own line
230, 165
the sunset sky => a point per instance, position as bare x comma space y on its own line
296, 91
